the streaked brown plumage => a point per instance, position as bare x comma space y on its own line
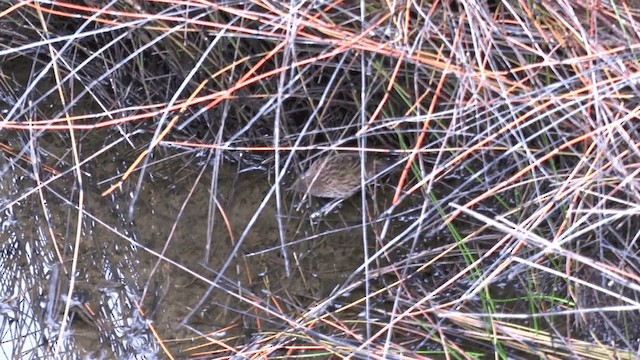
337, 176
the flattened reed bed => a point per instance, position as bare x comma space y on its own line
512, 207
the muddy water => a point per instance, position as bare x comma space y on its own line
202, 255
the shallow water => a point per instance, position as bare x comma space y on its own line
165, 260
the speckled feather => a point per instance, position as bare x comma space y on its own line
337, 176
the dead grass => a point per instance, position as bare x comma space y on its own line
513, 227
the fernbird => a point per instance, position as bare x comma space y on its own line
337, 176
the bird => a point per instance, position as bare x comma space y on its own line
337, 176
